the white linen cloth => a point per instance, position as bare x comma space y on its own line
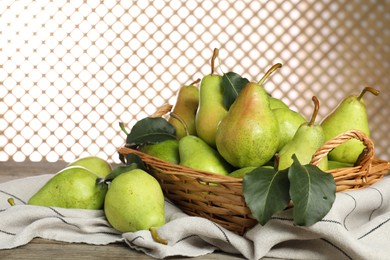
357, 227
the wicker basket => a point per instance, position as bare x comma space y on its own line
225, 204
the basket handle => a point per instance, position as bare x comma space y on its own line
365, 158
162, 111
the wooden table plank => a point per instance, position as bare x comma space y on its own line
47, 249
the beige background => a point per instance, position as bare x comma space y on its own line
72, 70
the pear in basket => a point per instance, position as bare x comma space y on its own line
249, 134
167, 150
72, 187
95, 164
349, 114
187, 102
240, 173
197, 154
275, 103
289, 122
211, 106
307, 140
134, 201
337, 165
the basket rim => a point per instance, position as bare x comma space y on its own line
366, 157
367, 170
181, 169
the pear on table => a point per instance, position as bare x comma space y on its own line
95, 164
134, 201
307, 140
72, 187
249, 134
211, 105
349, 114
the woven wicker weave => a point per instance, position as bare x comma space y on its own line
224, 203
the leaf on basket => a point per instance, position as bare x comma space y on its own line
312, 192
232, 84
149, 131
266, 192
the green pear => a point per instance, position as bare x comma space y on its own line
277, 103
240, 173
134, 201
349, 114
197, 154
184, 112
249, 134
337, 165
167, 150
307, 140
95, 164
72, 187
289, 122
211, 106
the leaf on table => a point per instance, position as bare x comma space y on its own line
131, 161
266, 192
312, 192
150, 131
232, 84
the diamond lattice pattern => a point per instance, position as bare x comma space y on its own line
72, 70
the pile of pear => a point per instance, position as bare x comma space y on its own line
131, 201
257, 130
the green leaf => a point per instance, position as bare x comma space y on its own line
132, 158
266, 192
122, 127
132, 161
119, 170
312, 192
232, 84
149, 131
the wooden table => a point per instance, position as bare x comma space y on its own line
46, 249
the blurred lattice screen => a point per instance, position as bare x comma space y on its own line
72, 70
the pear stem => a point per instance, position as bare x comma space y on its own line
161, 111
177, 117
195, 82
100, 182
276, 161
368, 89
315, 112
156, 237
215, 55
269, 72
11, 201
122, 127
